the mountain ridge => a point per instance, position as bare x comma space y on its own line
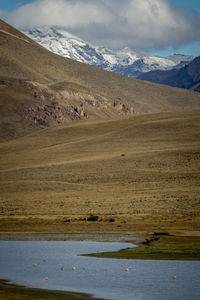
187, 77
44, 89
126, 61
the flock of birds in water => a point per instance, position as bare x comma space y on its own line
62, 269
74, 269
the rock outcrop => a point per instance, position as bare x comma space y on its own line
75, 105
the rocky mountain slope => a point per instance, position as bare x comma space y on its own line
187, 77
39, 89
125, 61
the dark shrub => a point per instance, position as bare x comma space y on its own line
111, 220
93, 218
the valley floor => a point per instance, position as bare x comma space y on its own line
138, 173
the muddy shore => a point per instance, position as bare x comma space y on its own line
92, 236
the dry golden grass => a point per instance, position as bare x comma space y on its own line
135, 173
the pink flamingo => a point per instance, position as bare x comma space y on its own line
127, 269
35, 265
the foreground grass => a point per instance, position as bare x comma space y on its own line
13, 292
162, 248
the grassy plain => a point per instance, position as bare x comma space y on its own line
138, 173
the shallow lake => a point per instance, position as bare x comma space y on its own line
30, 263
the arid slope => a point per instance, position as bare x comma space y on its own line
139, 172
39, 88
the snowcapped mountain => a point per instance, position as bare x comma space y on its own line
125, 61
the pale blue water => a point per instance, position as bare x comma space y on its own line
106, 278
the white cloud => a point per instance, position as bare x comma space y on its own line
68, 13
3, 14
138, 24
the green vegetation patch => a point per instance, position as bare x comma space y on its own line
161, 247
13, 292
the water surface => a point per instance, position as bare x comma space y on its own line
30, 263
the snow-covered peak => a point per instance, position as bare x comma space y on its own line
63, 43
125, 61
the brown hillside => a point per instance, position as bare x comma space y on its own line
39, 88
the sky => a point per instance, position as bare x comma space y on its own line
159, 27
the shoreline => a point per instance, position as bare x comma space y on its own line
124, 237
7, 288
156, 246
10, 290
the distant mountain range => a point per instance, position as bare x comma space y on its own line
187, 77
126, 62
